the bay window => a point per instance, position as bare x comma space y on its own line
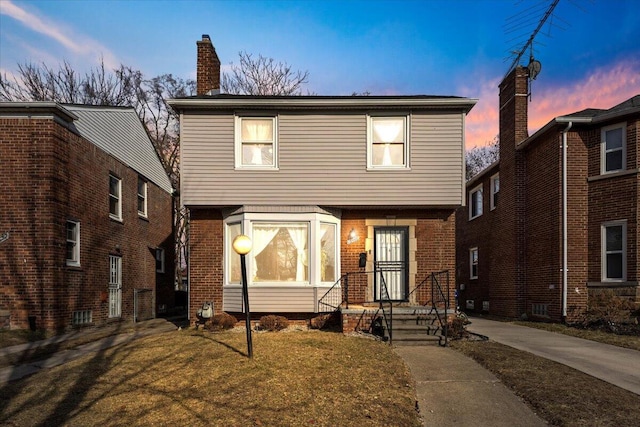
287, 249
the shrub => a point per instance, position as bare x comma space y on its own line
455, 328
607, 310
222, 321
273, 323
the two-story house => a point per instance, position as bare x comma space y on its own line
555, 220
86, 221
323, 186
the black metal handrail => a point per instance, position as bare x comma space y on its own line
440, 297
338, 295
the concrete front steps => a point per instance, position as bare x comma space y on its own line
415, 326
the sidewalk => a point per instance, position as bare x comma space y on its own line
454, 390
616, 365
94, 340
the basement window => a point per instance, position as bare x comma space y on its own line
82, 317
541, 310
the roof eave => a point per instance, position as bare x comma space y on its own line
464, 104
40, 108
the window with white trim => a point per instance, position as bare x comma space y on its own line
159, 260
287, 249
73, 243
495, 190
387, 142
613, 148
142, 197
475, 202
614, 251
115, 197
473, 263
256, 142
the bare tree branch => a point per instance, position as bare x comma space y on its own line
262, 76
479, 158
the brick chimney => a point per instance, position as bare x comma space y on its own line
514, 101
208, 72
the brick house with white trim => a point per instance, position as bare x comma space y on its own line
555, 220
86, 219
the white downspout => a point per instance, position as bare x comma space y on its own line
564, 221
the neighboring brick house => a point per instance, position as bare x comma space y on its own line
86, 217
511, 257
317, 182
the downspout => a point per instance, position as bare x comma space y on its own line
564, 222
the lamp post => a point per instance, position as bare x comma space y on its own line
242, 246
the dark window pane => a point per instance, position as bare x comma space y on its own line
614, 238
614, 139
614, 266
614, 160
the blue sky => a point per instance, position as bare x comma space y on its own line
590, 53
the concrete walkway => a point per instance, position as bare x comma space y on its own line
454, 390
615, 365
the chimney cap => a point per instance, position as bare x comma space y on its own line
206, 37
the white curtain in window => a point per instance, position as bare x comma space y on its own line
262, 236
387, 131
298, 235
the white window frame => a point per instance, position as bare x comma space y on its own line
313, 246
604, 151
405, 133
75, 261
239, 143
495, 179
604, 252
477, 189
142, 196
159, 255
473, 251
117, 215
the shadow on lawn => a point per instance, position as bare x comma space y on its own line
224, 344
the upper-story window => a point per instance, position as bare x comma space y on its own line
473, 263
614, 251
613, 148
475, 202
495, 189
159, 260
256, 143
73, 243
387, 145
115, 197
142, 197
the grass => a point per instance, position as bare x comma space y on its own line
199, 378
561, 395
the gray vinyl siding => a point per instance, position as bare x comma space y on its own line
323, 161
274, 299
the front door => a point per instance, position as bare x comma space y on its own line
391, 250
115, 286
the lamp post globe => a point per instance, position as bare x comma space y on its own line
242, 244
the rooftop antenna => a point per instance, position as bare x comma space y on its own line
534, 65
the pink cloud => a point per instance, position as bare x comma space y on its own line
603, 88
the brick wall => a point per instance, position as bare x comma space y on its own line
206, 262
55, 176
434, 230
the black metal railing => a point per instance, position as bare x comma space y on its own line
338, 296
440, 301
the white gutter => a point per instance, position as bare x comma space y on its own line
564, 221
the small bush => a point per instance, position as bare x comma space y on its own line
222, 321
273, 323
607, 310
455, 328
